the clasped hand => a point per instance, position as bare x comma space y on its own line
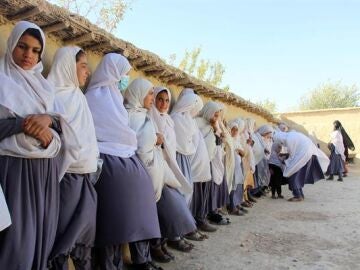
38, 127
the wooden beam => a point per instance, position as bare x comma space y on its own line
178, 81
151, 68
146, 66
81, 39
138, 61
55, 27
155, 73
26, 14
167, 77
101, 45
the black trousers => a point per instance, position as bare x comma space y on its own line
276, 179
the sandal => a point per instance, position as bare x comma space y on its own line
246, 204
158, 255
195, 236
166, 252
181, 245
203, 235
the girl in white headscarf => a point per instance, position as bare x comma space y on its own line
337, 156
164, 125
192, 157
305, 163
174, 216
76, 232
248, 161
262, 149
30, 167
126, 202
236, 128
218, 198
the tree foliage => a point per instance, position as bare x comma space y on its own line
106, 14
268, 104
203, 69
331, 95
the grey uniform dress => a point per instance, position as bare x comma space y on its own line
31, 188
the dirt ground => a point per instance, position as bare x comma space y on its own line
323, 232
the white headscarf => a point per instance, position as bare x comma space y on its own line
337, 140
229, 147
31, 93
64, 77
165, 126
203, 121
283, 127
111, 120
182, 114
300, 149
215, 152
149, 153
5, 219
261, 144
238, 145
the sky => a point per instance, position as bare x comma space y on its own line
277, 50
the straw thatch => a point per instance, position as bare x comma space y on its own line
73, 29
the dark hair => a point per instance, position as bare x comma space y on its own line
80, 54
162, 91
35, 33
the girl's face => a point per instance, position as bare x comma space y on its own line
215, 117
82, 70
162, 102
234, 132
149, 99
27, 52
268, 136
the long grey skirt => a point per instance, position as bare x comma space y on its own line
174, 216
126, 203
199, 202
31, 188
184, 165
310, 173
219, 195
77, 219
236, 196
263, 173
337, 165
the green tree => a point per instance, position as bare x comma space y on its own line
331, 95
106, 14
203, 69
268, 104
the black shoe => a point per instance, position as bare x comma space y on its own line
280, 196
340, 179
147, 266
331, 177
